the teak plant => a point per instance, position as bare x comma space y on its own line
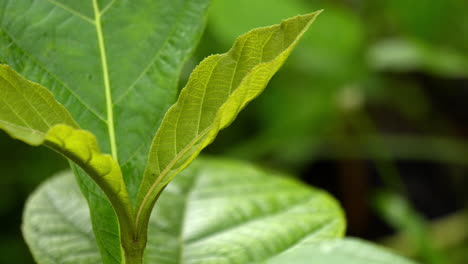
111, 69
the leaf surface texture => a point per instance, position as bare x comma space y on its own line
217, 90
348, 250
57, 223
216, 211
115, 66
29, 112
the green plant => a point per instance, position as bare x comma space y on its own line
112, 68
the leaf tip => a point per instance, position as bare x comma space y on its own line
310, 17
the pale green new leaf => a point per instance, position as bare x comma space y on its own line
215, 211
81, 147
217, 90
30, 113
28, 110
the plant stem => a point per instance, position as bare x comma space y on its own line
134, 258
134, 251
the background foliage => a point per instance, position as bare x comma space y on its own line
370, 106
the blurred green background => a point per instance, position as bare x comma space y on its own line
371, 106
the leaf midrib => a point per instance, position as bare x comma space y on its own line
19, 115
105, 73
166, 170
164, 173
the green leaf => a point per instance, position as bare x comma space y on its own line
115, 66
222, 211
119, 69
217, 90
57, 225
29, 112
321, 65
215, 211
224, 13
349, 251
81, 147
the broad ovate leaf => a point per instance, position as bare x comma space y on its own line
224, 211
217, 90
29, 112
115, 66
215, 211
339, 251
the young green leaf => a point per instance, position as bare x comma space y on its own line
217, 90
81, 147
29, 112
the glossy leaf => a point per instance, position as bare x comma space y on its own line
114, 65
215, 211
217, 90
222, 211
349, 251
57, 225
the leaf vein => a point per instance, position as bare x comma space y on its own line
59, 81
71, 11
107, 7
251, 220
155, 57
166, 170
202, 103
29, 103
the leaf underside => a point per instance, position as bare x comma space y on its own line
216, 211
30, 113
28, 110
217, 90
